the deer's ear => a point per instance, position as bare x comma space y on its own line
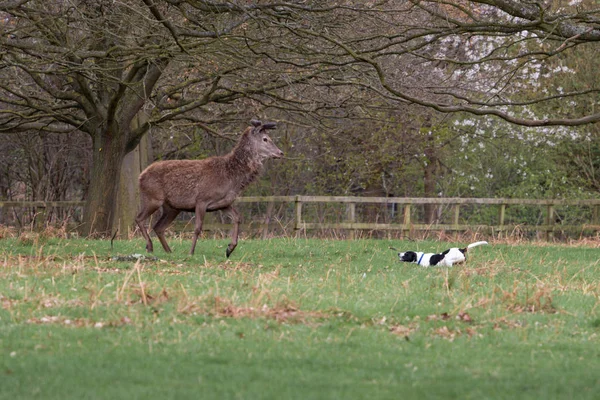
256, 123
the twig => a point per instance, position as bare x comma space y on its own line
113, 238
144, 298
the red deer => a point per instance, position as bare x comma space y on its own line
204, 186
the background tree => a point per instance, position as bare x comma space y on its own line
480, 57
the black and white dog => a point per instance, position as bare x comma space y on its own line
445, 259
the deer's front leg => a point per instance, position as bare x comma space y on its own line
235, 219
200, 211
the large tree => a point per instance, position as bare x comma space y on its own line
93, 66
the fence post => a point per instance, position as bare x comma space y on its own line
549, 221
351, 217
456, 209
406, 220
298, 213
501, 214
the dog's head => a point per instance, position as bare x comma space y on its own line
408, 256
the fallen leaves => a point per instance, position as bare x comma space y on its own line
434, 317
403, 330
224, 308
444, 331
461, 316
452, 333
505, 323
6, 302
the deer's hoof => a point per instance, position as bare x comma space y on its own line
228, 252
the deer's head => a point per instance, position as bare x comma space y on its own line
262, 143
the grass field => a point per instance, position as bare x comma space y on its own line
296, 319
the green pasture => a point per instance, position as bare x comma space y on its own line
296, 319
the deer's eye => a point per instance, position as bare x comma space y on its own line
265, 139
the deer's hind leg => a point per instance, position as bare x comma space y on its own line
146, 210
168, 215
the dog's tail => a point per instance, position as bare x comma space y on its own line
477, 244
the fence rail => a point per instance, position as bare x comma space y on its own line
351, 224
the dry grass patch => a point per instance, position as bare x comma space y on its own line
592, 241
7, 232
237, 266
284, 311
525, 298
37, 264
489, 270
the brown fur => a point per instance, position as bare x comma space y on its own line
203, 186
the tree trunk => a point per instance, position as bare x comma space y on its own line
429, 191
4, 185
107, 158
430, 170
128, 192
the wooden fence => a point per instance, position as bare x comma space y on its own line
404, 220
455, 204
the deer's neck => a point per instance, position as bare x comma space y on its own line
243, 167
